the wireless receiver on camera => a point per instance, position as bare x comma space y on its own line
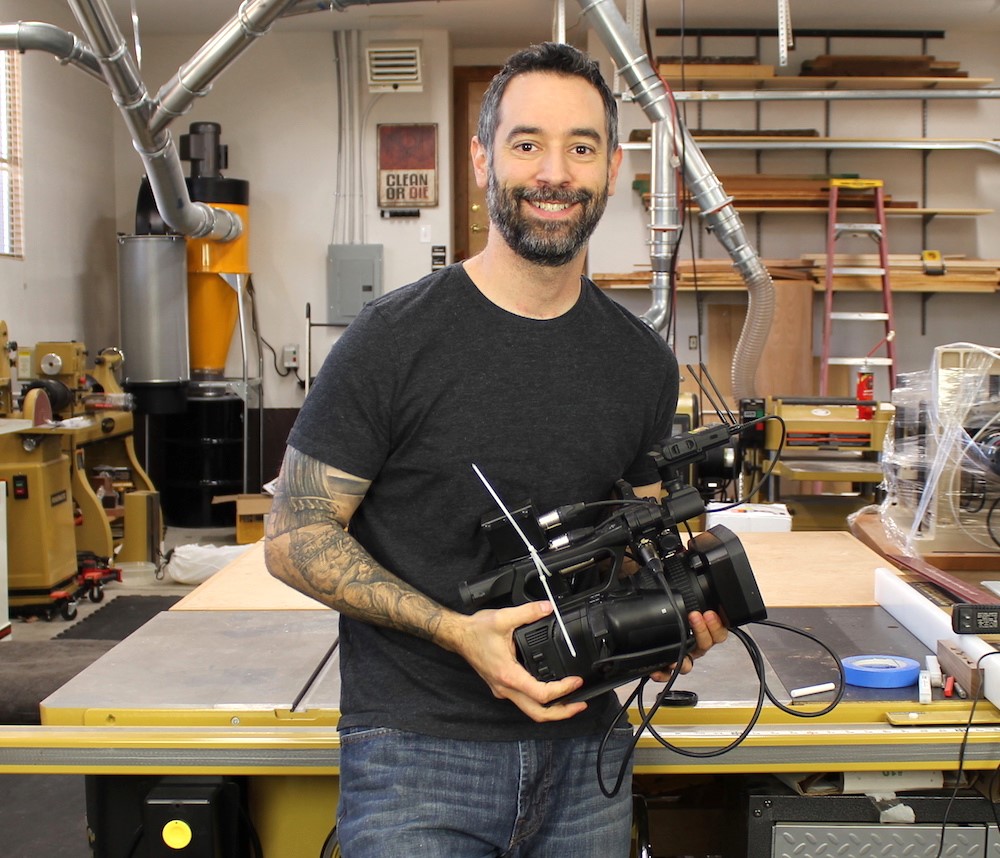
608, 627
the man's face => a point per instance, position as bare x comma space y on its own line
550, 175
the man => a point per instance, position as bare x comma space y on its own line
514, 362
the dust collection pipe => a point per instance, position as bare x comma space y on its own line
147, 119
38, 36
194, 78
156, 147
716, 207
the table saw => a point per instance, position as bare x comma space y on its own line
239, 683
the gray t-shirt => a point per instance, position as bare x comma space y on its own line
430, 379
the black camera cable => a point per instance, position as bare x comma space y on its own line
764, 690
961, 764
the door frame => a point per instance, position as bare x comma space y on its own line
463, 125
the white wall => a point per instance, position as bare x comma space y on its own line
64, 287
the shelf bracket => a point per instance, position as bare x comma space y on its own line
925, 297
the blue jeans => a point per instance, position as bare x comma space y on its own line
408, 794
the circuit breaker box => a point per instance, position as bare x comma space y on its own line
353, 278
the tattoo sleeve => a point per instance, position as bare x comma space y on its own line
309, 548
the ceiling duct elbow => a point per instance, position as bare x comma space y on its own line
394, 67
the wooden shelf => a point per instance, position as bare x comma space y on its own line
974, 289
826, 470
782, 142
961, 276
890, 212
696, 81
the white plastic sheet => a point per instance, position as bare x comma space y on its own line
192, 564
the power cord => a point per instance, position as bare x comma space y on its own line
961, 763
757, 658
255, 327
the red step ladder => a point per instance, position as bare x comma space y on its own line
876, 230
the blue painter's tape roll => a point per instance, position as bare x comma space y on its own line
881, 671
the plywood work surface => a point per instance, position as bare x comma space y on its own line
812, 568
796, 569
246, 585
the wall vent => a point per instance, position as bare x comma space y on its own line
394, 68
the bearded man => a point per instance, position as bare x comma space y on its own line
514, 361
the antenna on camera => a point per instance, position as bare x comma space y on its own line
728, 417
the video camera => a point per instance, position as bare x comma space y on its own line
619, 626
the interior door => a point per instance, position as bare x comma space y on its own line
471, 219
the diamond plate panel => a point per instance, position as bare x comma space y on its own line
877, 841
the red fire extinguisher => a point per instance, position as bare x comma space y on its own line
865, 392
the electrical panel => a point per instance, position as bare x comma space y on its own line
353, 278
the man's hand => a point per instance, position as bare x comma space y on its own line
708, 630
487, 643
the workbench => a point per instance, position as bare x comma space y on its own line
241, 678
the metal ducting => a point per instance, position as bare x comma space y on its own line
671, 140
37, 36
147, 118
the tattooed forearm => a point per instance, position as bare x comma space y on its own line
309, 548
309, 492
336, 567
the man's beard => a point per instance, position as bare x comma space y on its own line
550, 243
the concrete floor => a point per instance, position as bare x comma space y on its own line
44, 816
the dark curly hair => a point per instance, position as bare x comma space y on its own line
545, 57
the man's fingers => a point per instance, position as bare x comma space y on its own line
529, 612
536, 702
707, 629
532, 696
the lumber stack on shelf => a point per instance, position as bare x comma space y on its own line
853, 65
645, 135
708, 274
713, 67
783, 191
907, 273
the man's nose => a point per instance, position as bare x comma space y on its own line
554, 169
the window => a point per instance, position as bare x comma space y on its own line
10, 154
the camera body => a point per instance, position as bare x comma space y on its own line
624, 623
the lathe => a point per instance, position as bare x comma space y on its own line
78, 499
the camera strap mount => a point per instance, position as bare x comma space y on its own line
543, 572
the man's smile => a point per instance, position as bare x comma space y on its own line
550, 206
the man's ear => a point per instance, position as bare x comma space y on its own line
614, 164
480, 162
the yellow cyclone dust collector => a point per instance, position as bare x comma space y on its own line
213, 300
214, 268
